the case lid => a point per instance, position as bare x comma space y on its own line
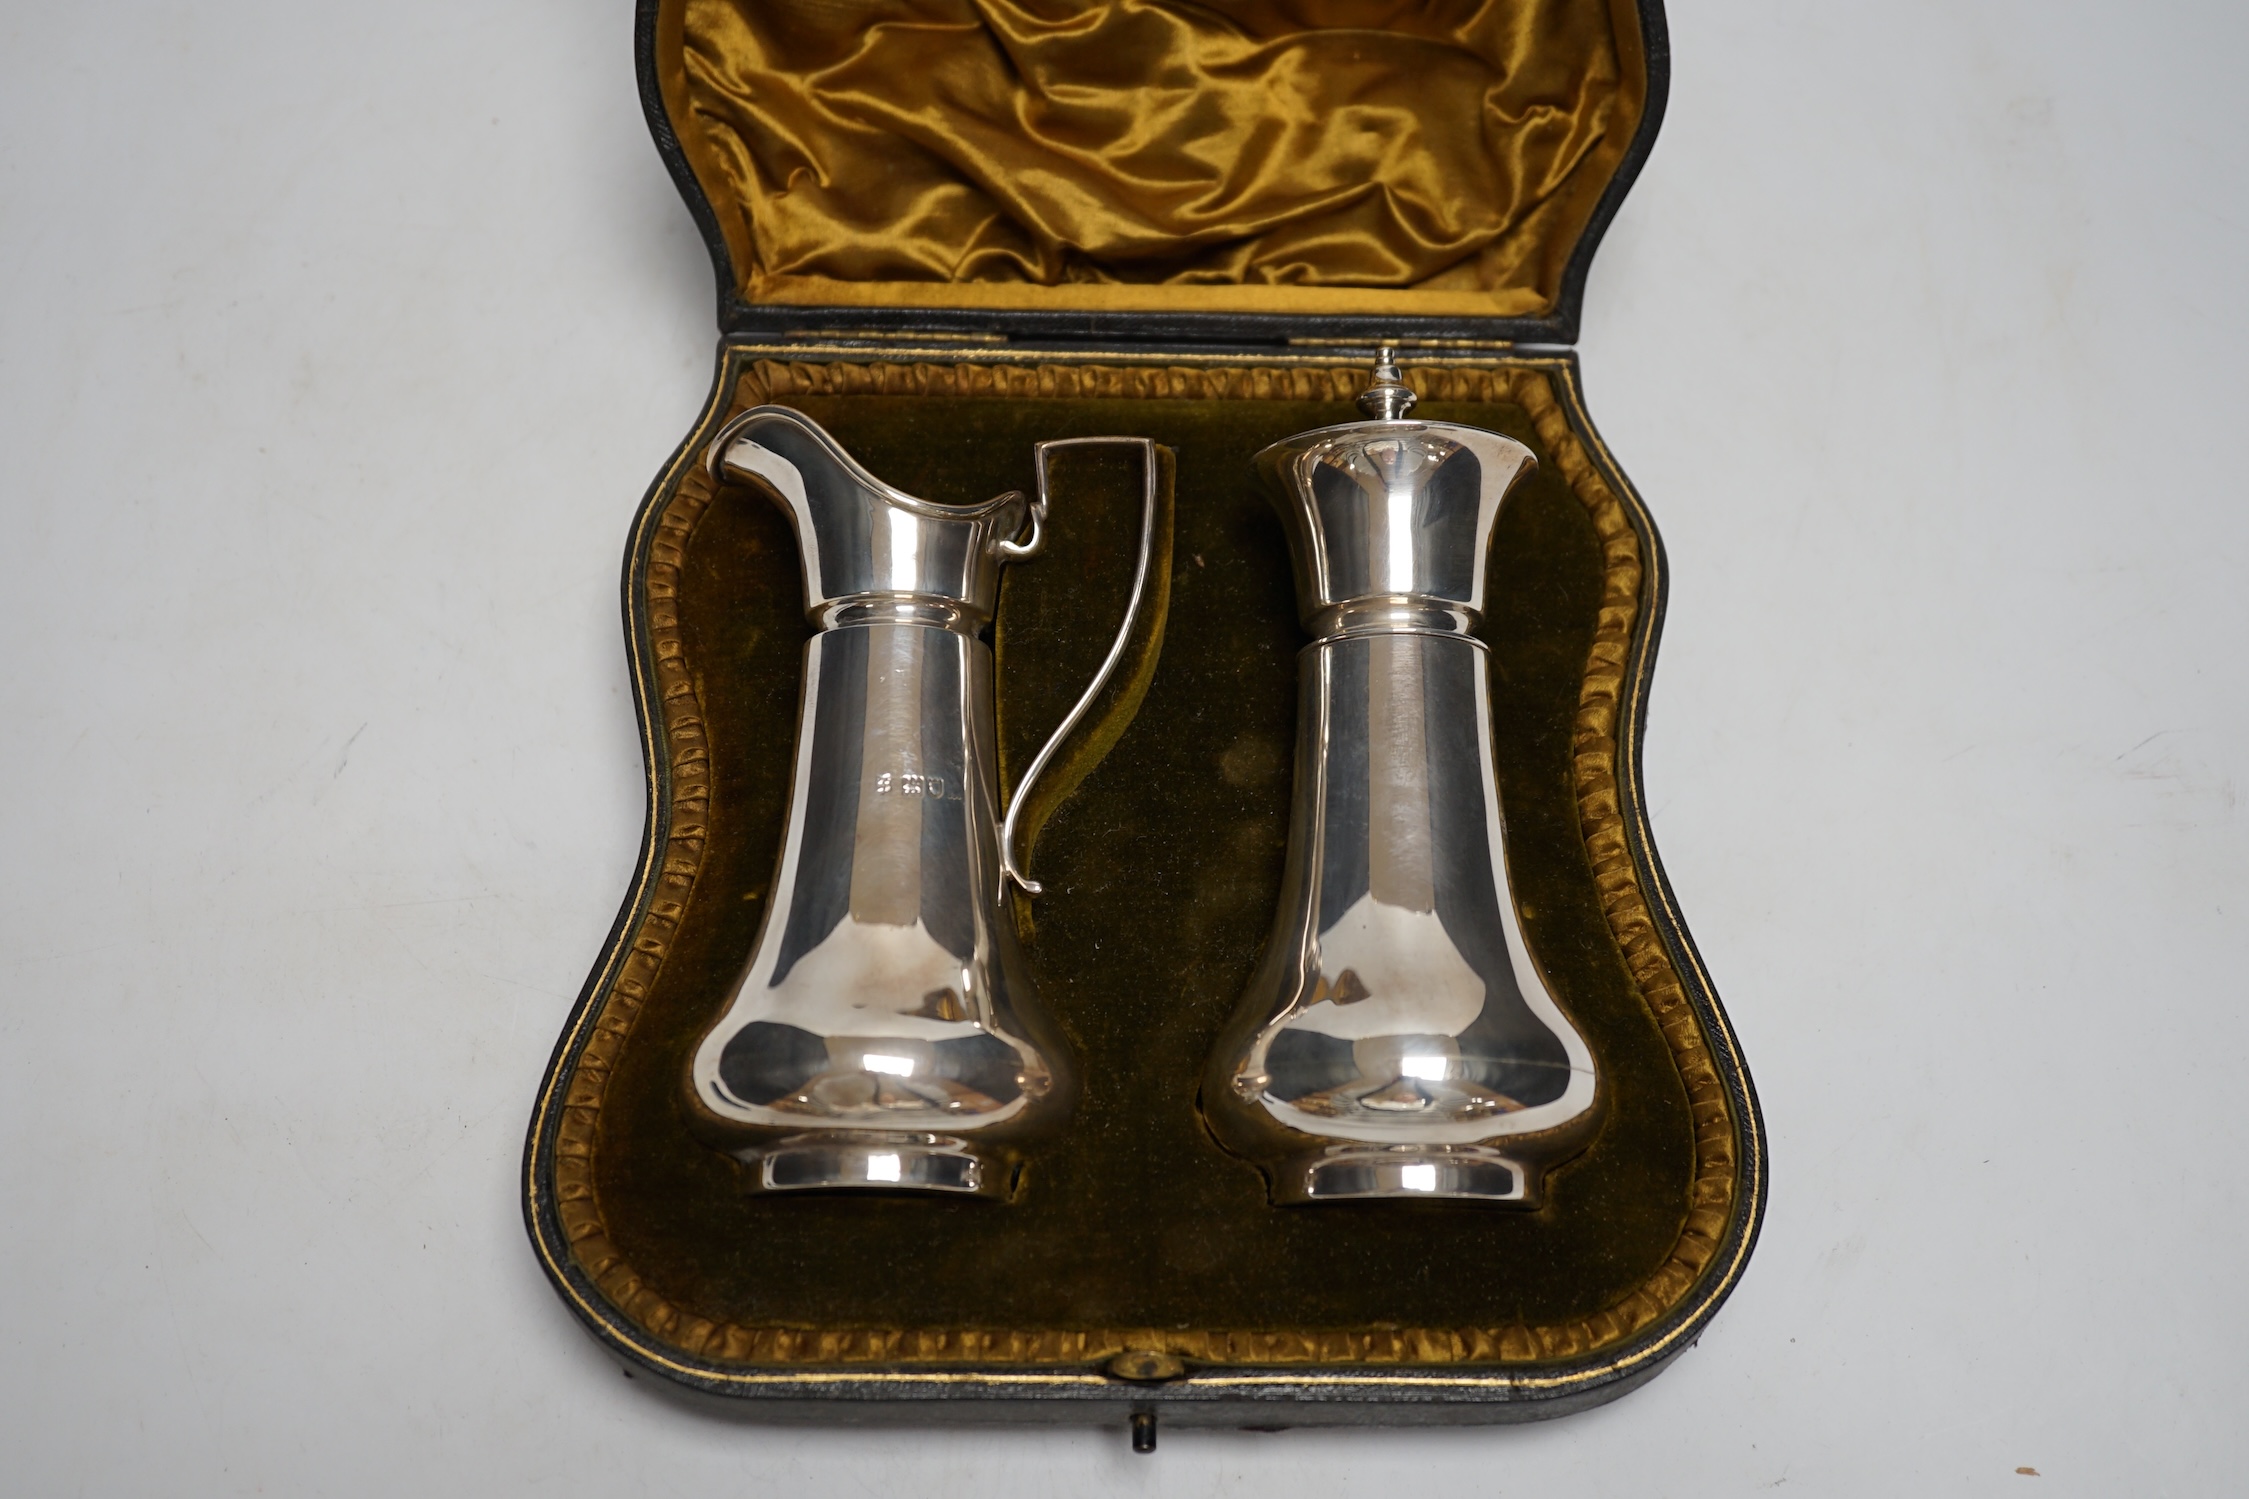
1156, 169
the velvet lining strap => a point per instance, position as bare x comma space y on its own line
1154, 153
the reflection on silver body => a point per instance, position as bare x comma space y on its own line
884, 1033
1398, 1040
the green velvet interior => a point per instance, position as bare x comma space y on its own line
1161, 874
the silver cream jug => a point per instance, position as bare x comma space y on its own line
884, 1033
1398, 1039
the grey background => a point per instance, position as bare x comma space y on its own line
337, 344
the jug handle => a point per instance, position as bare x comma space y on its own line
1010, 868
1035, 522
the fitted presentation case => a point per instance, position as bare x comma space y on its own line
947, 230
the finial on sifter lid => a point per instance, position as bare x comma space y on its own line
1388, 398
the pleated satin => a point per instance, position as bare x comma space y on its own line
1153, 153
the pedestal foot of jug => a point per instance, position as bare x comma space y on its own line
883, 1164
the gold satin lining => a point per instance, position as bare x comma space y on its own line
1269, 155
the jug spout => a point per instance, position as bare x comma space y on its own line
1399, 1038
866, 547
